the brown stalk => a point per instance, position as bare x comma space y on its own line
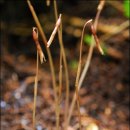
85, 69
84, 72
60, 77
48, 45
45, 42
65, 65
79, 70
59, 93
54, 31
35, 94
41, 55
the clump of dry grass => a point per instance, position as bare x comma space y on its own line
88, 60
79, 77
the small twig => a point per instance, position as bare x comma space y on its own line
35, 38
79, 70
54, 31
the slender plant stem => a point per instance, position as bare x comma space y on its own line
79, 71
90, 52
60, 76
78, 106
85, 69
65, 65
35, 93
48, 50
59, 93
84, 72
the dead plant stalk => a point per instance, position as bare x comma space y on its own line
35, 94
58, 22
65, 65
79, 71
48, 50
41, 55
85, 69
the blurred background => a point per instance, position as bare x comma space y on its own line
104, 96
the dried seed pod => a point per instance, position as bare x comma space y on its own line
96, 39
54, 31
39, 49
35, 34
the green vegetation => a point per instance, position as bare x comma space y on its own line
126, 5
88, 39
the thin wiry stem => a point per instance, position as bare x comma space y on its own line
35, 93
79, 70
60, 76
54, 31
59, 92
58, 22
48, 45
37, 22
65, 65
84, 72
45, 42
80, 54
78, 106
85, 69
